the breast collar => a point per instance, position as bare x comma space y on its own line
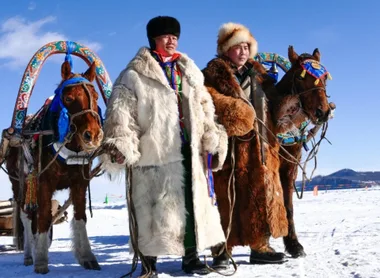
70, 157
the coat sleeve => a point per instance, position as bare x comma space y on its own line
236, 115
120, 128
214, 139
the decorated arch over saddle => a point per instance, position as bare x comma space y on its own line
35, 65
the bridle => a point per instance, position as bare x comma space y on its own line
300, 75
73, 127
316, 88
66, 119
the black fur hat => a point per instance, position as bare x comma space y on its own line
162, 25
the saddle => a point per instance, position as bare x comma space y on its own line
43, 120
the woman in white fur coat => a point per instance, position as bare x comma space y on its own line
160, 121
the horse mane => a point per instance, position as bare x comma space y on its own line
306, 56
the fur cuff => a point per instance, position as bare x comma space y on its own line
110, 167
218, 160
210, 142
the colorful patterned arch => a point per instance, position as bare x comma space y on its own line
34, 67
269, 58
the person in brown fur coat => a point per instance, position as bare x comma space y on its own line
250, 174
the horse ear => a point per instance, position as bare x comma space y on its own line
292, 55
90, 74
317, 54
65, 70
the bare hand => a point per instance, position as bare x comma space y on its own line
115, 154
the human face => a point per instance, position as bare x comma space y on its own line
166, 45
239, 54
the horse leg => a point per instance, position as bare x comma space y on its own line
44, 223
81, 244
12, 164
28, 238
288, 173
18, 213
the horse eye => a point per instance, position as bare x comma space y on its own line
299, 77
69, 99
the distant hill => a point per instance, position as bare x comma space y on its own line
360, 176
343, 179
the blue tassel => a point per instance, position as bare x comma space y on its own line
55, 105
63, 124
274, 75
70, 47
305, 146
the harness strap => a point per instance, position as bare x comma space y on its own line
258, 99
27, 154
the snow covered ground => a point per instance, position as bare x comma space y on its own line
340, 231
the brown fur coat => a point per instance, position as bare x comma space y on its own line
259, 210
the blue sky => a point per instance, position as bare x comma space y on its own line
347, 36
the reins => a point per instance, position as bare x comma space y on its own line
294, 160
134, 230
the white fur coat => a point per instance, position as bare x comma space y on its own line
142, 121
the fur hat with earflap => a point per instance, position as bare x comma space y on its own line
231, 34
162, 25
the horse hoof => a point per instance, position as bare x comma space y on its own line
93, 265
28, 261
299, 254
41, 269
296, 251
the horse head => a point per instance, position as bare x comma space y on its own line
304, 88
79, 113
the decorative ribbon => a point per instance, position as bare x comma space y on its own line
210, 179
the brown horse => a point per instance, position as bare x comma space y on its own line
77, 98
312, 104
248, 187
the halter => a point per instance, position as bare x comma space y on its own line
315, 69
65, 121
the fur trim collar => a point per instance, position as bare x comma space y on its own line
219, 74
146, 65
